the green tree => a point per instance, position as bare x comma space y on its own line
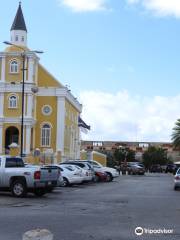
130, 157
119, 156
176, 134
155, 155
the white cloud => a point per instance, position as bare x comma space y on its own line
84, 5
123, 117
160, 7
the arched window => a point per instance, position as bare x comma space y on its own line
14, 66
46, 135
13, 101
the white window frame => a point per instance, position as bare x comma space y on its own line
46, 135
14, 68
13, 103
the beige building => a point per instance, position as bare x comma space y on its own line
138, 147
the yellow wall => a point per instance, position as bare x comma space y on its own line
13, 77
70, 123
101, 158
41, 118
96, 156
12, 112
45, 79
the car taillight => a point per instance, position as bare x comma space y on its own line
37, 175
177, 177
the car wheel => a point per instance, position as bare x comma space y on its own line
175, 188
65, 182
109, 177
96, 178
18, 188
39, 192
50, 189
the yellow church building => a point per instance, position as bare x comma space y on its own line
51, 112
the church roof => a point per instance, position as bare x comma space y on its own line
19, 23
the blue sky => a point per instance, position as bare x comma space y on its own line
109, 47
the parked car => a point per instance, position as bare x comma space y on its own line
87, 177
70, 175
171, 168
163, 168
156, 168
177, 180
135, 169
60, 178
111, 172
20, 179
100, 176
87, 170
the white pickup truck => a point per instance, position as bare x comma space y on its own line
20, 179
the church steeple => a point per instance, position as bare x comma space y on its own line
19, 23
18, 29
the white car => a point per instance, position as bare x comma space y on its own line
70, 175
86, 169
177, 180
111, 172
87, 176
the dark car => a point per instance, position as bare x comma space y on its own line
135, 169
171, 168
156, 168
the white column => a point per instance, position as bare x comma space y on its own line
28, 139
25, 101
26, 66
1, 138
36, 66
1, 104
60, 124
30, 70
3, 69
29, 105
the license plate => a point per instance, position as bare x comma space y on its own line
49, 183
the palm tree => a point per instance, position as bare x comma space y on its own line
176, 134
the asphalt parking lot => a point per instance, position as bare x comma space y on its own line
101, 211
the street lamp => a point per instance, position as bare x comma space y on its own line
23, 55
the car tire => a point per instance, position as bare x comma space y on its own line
109, 177
19, 188
96, 178
175, 188
39, 192
65, 182
50, 189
